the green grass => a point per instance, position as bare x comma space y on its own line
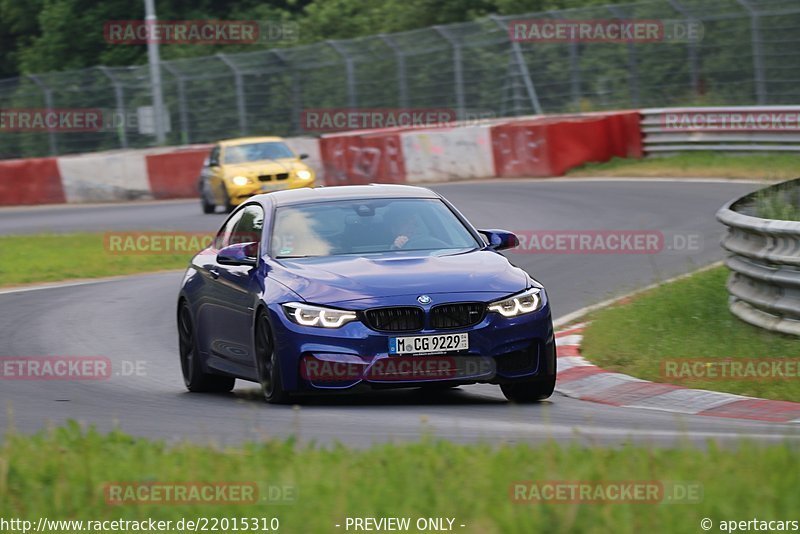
61, 475
699, 164
54, 257
771, 204
687, 319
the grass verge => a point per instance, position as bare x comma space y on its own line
55, 257
62, 474
699, 165
688, 318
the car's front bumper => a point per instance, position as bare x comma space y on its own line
501, 350
240, 193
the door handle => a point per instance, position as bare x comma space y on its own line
214, 273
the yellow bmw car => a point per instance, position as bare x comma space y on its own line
237, 169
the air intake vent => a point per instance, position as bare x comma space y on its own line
458, 315
402, 319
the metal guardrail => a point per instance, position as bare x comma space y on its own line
662, 136
764, 285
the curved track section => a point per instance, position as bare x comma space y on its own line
131, 322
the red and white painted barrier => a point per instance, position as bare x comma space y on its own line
536, 147
454, 154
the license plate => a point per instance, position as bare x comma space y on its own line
428, 344
272, 187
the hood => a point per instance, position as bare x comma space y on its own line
337, 279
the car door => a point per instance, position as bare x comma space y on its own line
236, 290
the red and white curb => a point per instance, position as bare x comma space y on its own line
580, 379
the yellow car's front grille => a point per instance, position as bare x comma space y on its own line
271, 177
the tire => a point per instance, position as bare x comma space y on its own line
228, 206
268, 364
207, 206
530, 391
196, 380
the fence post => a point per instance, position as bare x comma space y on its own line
457, 70
350, 70
402, 84
633, 63
48, 103
240, 102
297, 102
119, 97
182, 112
516, 50
694, 70
758, 63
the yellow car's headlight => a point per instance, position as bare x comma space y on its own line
304, 174
240, 180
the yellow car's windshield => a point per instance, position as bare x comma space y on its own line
257, 152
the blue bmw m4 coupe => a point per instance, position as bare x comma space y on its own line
352, 287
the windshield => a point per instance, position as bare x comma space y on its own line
367, 227
257, 152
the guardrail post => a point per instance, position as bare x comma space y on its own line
758, 62
48, 103
516, 51
241, 105
350, 71
182, 111
119, 97
400, 57
633, 62
458, 74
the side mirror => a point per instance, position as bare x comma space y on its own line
303, 156
500, 239
239, 254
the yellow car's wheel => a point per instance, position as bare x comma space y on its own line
227, 200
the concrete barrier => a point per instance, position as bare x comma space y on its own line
105, 176
442, 155
356, 158
175, 174
527, 146
30, 181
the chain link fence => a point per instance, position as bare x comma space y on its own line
748, 54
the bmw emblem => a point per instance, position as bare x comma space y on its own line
424, 299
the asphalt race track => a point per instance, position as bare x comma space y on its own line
132, 320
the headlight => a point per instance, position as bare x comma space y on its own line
241, 180
526, 302
308, 315
304, 174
